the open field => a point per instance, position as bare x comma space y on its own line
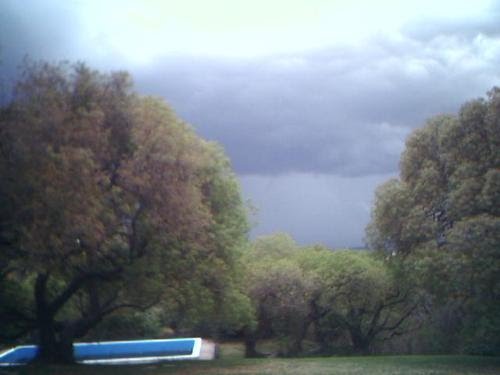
232, 362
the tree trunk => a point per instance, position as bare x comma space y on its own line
323, 339
250, 339
52, 347
295, 345
319, 333
65, 353
361, 344
59, 351
46, 341
250, 347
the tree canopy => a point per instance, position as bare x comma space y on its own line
442, 216
108, 201
341, 298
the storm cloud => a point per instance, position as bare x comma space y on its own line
343, 111
310, 132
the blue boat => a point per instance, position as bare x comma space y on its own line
115, 352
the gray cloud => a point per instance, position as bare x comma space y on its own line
311, 133
315, 208
339, 110
48, 30
342, 111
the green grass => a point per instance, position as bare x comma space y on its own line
232, 362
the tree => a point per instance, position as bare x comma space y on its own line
108, 201
279, 291
356, 294
442, 216
324, 295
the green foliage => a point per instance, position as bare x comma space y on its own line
279, 290
442, 216
111, 202
128, 325
334, 298
273, 247
357, 295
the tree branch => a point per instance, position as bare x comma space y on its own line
77, 283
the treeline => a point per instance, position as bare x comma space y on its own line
118, 222
337, 302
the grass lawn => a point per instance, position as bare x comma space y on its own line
232, 362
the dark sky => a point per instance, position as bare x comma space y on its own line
312, 101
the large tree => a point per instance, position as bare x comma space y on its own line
279, 291
107, 201
356, 296
442, 216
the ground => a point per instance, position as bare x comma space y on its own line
232, 362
